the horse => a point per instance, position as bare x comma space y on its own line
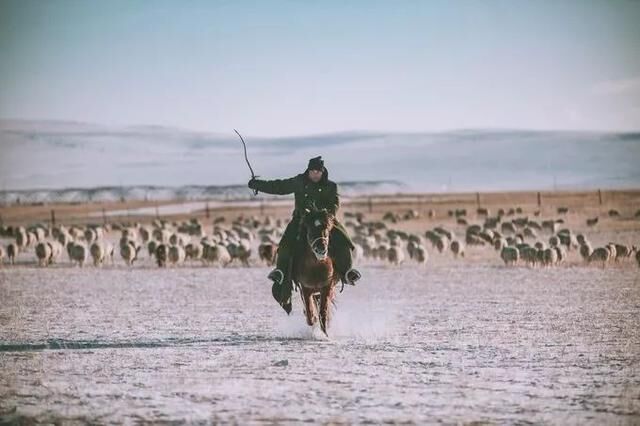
313, 269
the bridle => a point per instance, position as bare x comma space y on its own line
319, 256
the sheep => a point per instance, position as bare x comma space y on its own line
509, 255
177, 240
457, 248
530, 233
550, 226
56, 251
480, 239
64, 237
90, 235
562, 254
442, 244
395, 255
267, 252
176, 254
420, 254
243, 251
145, 234
382, 251
592, 221
539, 245
162, 254
12, 252
152, 245
624, 251
586, 251
600, 254
550, 257
77, 253
101, 251
530, 255
43, 253
22, 239
219, 253
508, 227
481, 211
193, 251
442, 231
129, 252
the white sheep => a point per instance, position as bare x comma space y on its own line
129, 252
43, 253
218, 253
457, 248
100, 252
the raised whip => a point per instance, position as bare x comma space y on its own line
244, 145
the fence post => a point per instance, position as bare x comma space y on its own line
370, 205
478, 199
206, 210
53, 218
600, 196
539, 199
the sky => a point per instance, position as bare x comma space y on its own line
282, 68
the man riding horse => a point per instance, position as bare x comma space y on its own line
311, 188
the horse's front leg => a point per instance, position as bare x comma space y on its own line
326, 296
309, 306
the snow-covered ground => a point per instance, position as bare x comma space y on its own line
452, 342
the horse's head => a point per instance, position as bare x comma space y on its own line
318, 225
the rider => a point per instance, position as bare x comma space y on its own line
311, 186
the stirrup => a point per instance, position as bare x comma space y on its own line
277, 276
352, 275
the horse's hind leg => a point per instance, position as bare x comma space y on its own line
309, 306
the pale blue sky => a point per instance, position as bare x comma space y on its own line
275, 68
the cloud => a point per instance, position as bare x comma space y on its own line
617, 87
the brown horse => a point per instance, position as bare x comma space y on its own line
314, 271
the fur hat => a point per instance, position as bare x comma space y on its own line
316, 163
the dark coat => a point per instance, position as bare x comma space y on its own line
324, 193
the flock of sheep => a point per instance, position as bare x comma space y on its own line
517, 238
167, 243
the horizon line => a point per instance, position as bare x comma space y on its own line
328, 132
